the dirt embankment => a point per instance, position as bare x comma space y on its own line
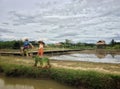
100, 67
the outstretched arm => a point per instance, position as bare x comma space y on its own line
31, 45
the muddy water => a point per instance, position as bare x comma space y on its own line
101, 57
24, 83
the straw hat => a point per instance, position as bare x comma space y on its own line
41, 42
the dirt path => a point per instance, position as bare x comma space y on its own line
100, 67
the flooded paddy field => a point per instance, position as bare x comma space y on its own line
87, 56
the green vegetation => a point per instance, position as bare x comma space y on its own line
78, 78
15, 44
68, 44
113, 45
10, 44
86, 79
44, 61
23, 71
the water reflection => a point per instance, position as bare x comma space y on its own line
20, 83
101, 53
99, 56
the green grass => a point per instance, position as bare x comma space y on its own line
86, 79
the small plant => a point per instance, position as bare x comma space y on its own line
44, 61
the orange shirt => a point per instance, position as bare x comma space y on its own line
40, 50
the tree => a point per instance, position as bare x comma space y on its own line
17, 44
67, 41
112, 43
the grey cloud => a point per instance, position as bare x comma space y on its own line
5, 23
4, 30
41, 31
111, 12
21, 19
117, 36
71, 34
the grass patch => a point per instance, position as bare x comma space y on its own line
23, 71
78, 78
86, 79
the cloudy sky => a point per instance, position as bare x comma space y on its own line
57, 20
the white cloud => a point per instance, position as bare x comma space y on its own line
7, 37
57, 20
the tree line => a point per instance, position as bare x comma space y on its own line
16, 44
